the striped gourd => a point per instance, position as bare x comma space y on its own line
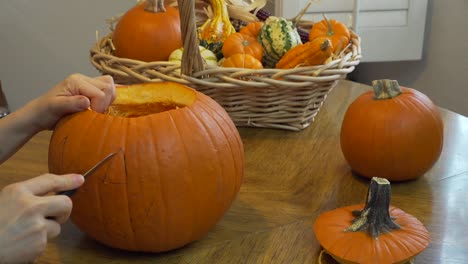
277, 37
208, 56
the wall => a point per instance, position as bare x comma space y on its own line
442, 71
44, 41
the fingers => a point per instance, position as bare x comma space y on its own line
52, 183
53, 228
99, 90
56, 207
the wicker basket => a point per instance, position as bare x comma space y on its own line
270, 98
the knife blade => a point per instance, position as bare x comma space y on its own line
69, 193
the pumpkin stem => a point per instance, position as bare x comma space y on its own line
330, 31
155, 6
386, 89
375, 217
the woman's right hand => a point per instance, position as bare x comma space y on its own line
29, 217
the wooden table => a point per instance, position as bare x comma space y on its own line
290, 178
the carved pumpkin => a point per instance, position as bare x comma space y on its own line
179, 166
372, 233
392, 132
147, 32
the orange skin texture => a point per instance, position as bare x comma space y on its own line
244, 44
398, 139
175, 176
398, 246
339, 36
252, 29
307, 54
239, 60
147, 36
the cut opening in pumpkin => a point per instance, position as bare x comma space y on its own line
150, 98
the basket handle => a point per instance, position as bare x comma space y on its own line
191, 58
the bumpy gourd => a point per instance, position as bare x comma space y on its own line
277, 37
315, 52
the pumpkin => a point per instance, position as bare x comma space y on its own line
208, 56
240, 43
147, 33
277, 37
392, 132
372, 233
240, 60
216, 29
252, 28
179, 166
336, 31
315, 52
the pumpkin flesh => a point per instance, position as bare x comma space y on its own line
178, 169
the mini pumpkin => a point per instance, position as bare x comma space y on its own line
179, 166
336, 31
242, 60
148, 32
392, 132
252, 28
240, 43
372, 233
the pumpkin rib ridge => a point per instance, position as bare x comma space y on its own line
239, 148
189, 161
130, 224
215, 146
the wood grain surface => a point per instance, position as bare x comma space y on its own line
290, 178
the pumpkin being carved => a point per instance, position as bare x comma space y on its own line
179, 166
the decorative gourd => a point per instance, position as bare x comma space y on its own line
392, 132
208, 56
372, 233
216, 29
277, 36
315, 52
240, 43
241, 60
252, 28
147, 32
179, 167
335, 30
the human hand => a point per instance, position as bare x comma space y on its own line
76, 93
28, 217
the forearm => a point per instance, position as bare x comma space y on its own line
17, 128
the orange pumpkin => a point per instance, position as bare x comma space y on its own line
240, 43
252, 28
392, 132
336, 31
147, 34
372, 233
241, 60
179, 167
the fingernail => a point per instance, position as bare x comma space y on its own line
78, 178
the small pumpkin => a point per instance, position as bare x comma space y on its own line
372, 233
148, 33
252, 29
240, 43
312, 53
208, 56
179, 166
336, 31
277, 37
216, 29
242, 60
392, 132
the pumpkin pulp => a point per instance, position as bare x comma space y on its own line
146, 99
